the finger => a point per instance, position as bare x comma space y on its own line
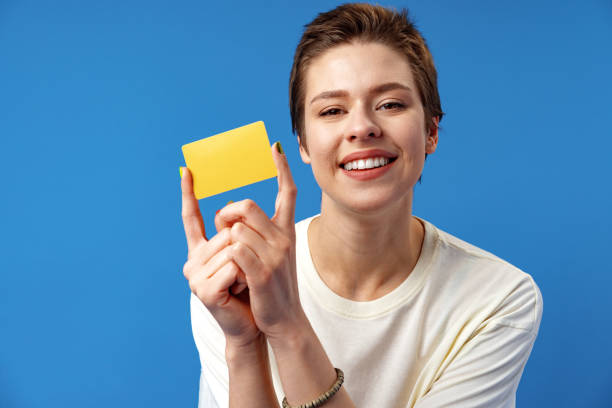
213, 256
207, 250
249, 263
225, 307
219, 222
194, 269
242, 233
220, 282
249, 213
284, 215
217, 261
214, 290
238, 286
192, 219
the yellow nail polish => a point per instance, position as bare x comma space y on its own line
279, 148
181, 171
229, 202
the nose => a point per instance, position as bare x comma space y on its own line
361, 125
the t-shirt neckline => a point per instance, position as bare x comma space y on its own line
348, 308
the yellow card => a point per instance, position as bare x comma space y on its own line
230, 160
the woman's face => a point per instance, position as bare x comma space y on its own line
364, 130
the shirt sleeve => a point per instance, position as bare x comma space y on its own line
206, 398
487, 371
210, 342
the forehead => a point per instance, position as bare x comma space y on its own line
356, 67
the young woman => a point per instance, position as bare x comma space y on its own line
408, 314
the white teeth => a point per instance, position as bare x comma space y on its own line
369, 163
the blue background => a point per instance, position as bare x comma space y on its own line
96, 99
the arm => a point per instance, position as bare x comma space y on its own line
212, 275
248, 367
303, 365
305, 370
264, 249
250, 378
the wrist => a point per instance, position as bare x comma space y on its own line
294, 338
237, 350
304, 367
250, 375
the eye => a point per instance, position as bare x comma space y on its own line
331, 112
392, 105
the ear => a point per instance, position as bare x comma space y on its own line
303, 152
432, 138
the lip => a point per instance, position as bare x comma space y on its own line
369, 174
364, 154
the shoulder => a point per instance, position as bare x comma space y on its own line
498, 291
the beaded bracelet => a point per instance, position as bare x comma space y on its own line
324, 397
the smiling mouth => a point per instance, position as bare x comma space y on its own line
367, 164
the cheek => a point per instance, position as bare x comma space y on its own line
322, 158
323, 155
413, 139
319, 141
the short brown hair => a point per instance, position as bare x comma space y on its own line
367, 23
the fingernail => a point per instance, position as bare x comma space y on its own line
229, 202
279, 148
217, 212
181, 171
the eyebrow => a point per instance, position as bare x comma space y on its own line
339, 93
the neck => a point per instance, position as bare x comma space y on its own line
363, 256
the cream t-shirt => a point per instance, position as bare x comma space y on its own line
457, 332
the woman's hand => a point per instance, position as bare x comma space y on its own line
211, 272
264, 249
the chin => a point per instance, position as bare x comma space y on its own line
370, 203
